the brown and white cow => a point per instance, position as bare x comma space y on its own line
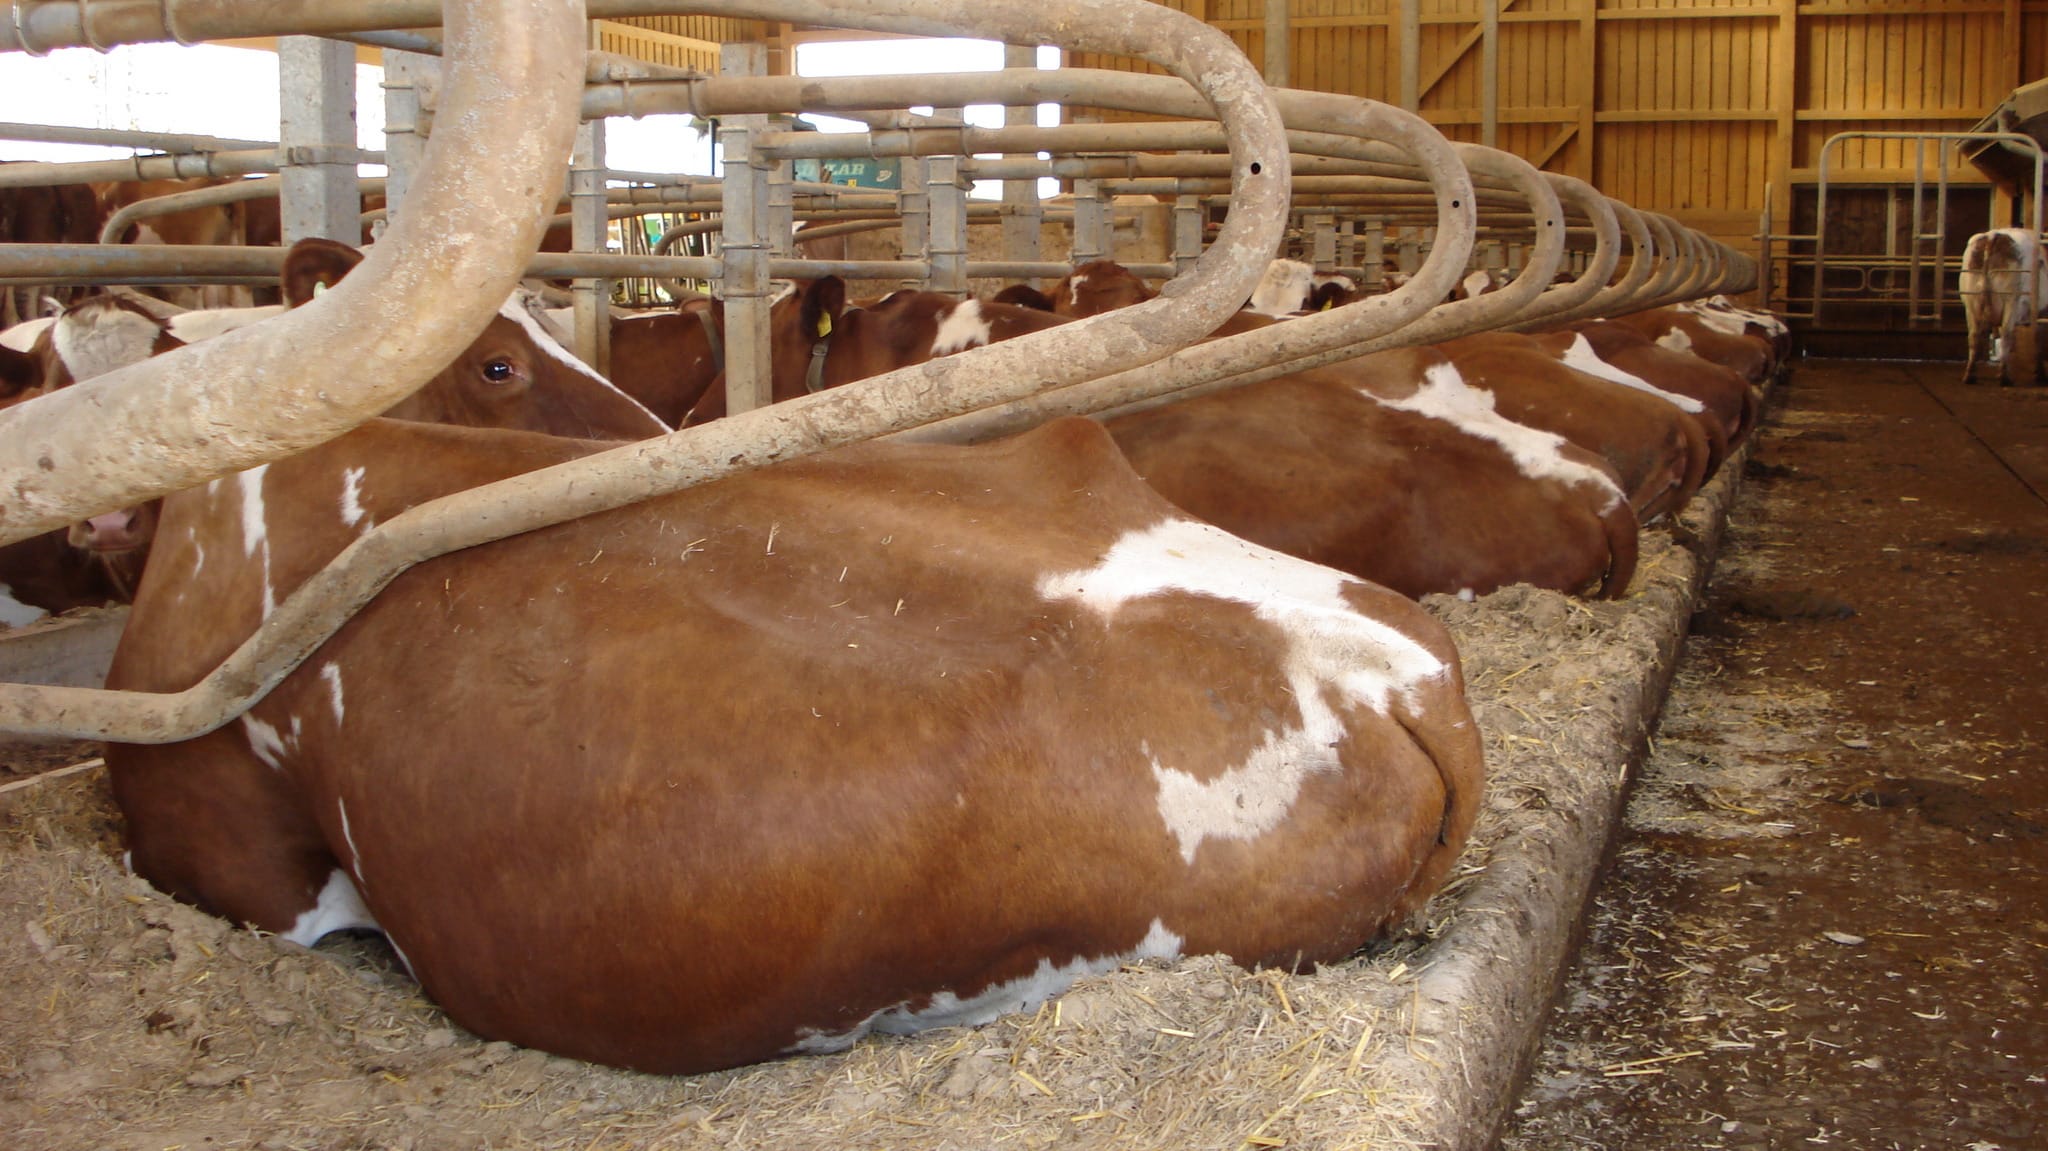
514, 375
2004, 288
1420, 495
1722, 393
1660, 453
1715, 337
902, 800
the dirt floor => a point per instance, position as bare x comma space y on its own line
1827, 919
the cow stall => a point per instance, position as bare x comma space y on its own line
1417, 1039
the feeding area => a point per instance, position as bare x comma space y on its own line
859, 665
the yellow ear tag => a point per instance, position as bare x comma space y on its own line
824, 324
1327, 305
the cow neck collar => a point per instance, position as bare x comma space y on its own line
814, 376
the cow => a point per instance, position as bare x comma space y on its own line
663, 359
2004, 288
54, 214
1437, 494
1722, 393
514, 375
1714, 336
1660, 453
900, 800
818, 342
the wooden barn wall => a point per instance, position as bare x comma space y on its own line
1708, 110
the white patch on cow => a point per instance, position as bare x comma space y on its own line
94, 340
331, 672
947, 1009
1332, 649
1476, 284
1676, 340
355, 858
22, 337
352, 498
1714, 318
15, 613
339, 907
1446, 396
197, 327
1283, 289
963, 327
517, 311
264, 740
1763, 319
198, 556
1074, 289
256, 528
128, 862
1466, 594
402, 956
1582, 357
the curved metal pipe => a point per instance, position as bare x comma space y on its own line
268, 390
1223, 276
1305, 342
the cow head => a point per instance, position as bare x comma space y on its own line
513, 375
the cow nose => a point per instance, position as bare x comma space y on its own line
114, 531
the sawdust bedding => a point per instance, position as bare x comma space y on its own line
132, 1022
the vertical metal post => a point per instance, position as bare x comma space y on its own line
404, 145
1187, 232
1322, 243
1023, 216
743, 278
316, 126
588, 226
1347, 243
947, 249
781, 214
914, 205
1408, 252
1914, 235
1376, 254
1091, 223
1278, 44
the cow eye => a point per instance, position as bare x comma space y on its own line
498, 371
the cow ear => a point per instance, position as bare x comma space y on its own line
824, 301
313, 264
1026, 296
19, 372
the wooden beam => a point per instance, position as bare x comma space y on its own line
1826, 115
1278, 43
1739, 11
1681, 115
1556, 145
1457, 53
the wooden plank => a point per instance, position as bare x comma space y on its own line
1586, 77
1457, 53
1735, 12
1847, 115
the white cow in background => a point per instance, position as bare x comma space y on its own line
2004, 285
